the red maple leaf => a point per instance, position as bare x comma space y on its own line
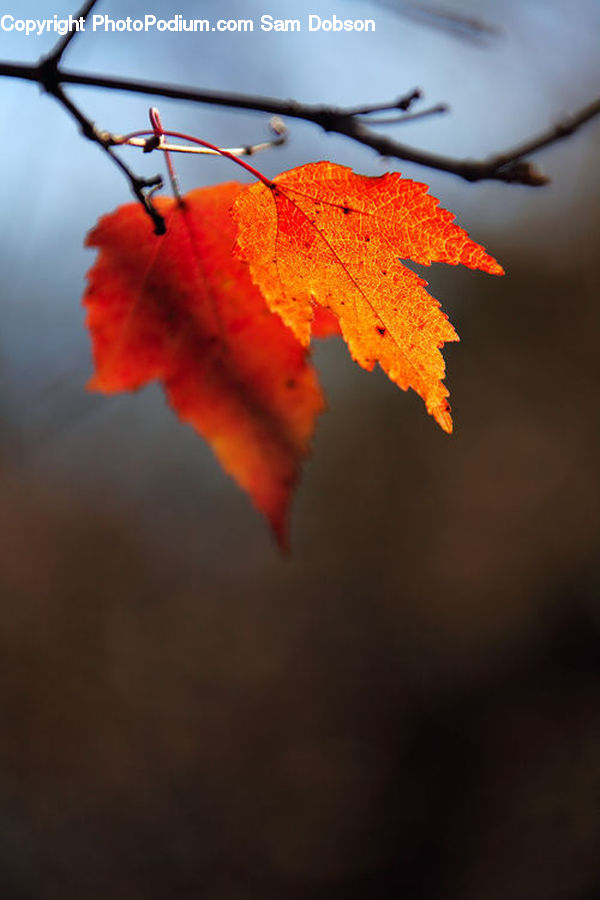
181, 309
323, 234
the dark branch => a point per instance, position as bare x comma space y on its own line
49, 77
404, 103
408, 117
141, 187
509, 166
53, 58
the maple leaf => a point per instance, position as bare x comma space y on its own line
324, 323
322, 234
180, 308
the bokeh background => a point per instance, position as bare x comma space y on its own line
407, 706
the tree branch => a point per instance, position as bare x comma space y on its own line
54, 58
141, 188
508, 166
49, 77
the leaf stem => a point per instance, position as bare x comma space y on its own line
159, 133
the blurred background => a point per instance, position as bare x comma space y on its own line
408, 705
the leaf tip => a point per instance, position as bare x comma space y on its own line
93, 384
443, 418
280, 526
495, 268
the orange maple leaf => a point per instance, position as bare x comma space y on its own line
180, 308
322, 234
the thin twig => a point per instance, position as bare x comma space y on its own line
404, 102
49, 77
141, 187
55, 56
118, 140
409, 117
158, 133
